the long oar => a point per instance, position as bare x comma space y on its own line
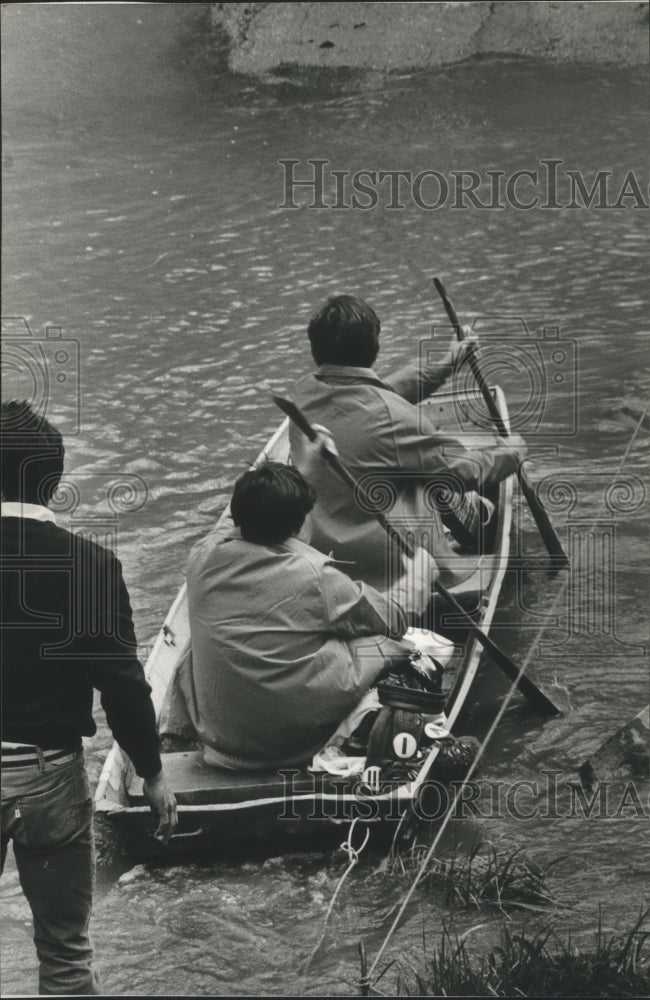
558, 556
525, 685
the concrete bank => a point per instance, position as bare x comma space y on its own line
398, 36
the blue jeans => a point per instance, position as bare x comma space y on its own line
47, 812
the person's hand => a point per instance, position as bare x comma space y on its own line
413, 589
313, 452
162, 803
458, 349
323, 439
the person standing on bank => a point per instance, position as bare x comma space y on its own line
66, 628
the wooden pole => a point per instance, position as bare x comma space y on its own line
558, 556
364, 984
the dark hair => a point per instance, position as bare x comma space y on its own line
270, 503
32, 454
345, 332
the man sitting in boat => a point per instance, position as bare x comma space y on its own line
391, 446
284, 644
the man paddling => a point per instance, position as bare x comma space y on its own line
67, 628
284, 644
389, 444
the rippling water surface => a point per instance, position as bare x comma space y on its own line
142, 215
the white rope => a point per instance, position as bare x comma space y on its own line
488, 737
631, 442
353, 857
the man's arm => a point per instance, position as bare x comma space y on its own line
420, 379
411, 442
125, 694
355, 609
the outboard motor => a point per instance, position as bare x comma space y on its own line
410, 721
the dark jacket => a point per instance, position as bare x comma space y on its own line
67, 628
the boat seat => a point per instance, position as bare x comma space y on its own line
194, 782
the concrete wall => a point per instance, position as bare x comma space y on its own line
391, 36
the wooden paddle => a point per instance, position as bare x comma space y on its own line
558, 556
525, 685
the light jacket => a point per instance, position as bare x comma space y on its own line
393, 448
271, 669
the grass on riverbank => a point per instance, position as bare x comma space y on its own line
487, 877
537, 965
484, 877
